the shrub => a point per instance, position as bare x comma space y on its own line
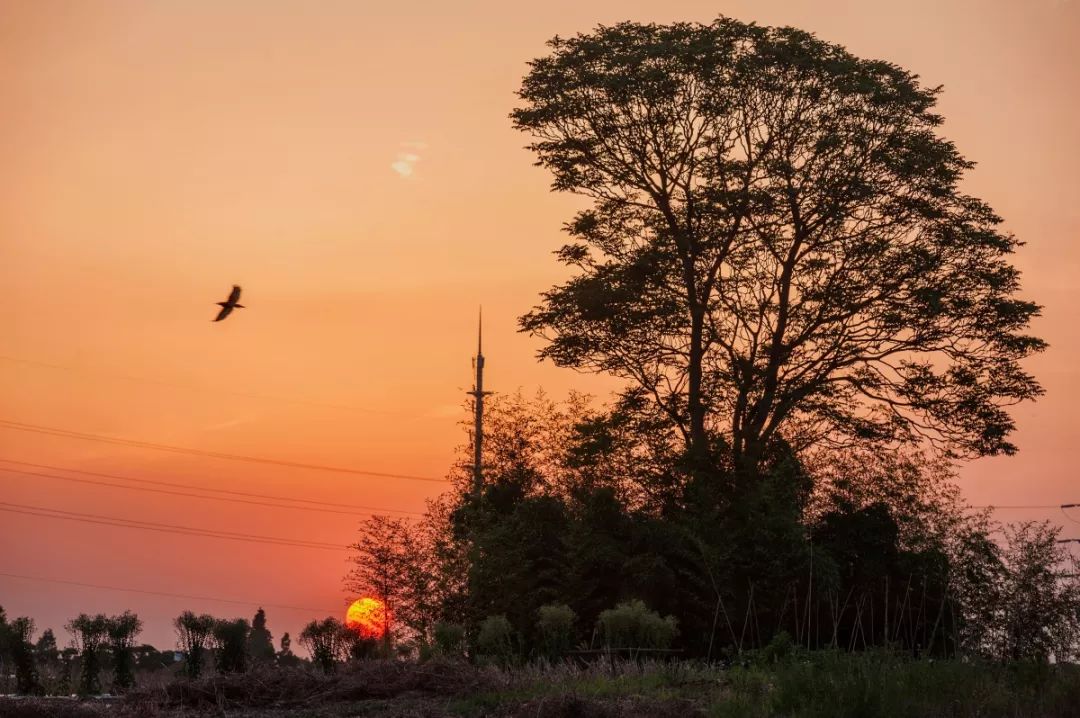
555, 626
121, 631
632, 625
26, 676
323, 641
193, 635
449, 639
495, 638
89, 633
230, 645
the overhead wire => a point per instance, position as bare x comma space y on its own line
119, 522
167, 594
66, 433
318, 506
209, 389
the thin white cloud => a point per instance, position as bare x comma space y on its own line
405, 169
405, 164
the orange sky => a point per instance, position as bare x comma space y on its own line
152, 154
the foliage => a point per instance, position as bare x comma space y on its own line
194, 634
230, 645
633, 625
495, 639
260, 643
555, 629
387, 567
449, 639
323, 640
46, 649
285, 656
121, 632
777, 243
20, 632
1040, 609
88, 634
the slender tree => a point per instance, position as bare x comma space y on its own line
230, 645
260, 643
323, 640
26, 675
89, 634
193, 634
122, 631
777, 246
385, 565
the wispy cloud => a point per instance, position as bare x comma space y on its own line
405, 163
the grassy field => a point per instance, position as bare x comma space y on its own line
822, 685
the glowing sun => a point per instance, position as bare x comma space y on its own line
368, 617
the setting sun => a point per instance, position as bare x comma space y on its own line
368, 616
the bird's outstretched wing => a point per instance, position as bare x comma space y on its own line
234, 296
226, 310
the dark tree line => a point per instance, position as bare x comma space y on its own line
850, 551
103, 655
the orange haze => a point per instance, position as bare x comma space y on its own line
351, 165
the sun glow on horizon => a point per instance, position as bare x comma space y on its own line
368, 617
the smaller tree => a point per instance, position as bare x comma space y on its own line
230, 645
322, 639
555, 626
121, 631
260, 643
26, 676
449, 639
633, 625
193, 634
88, 634
1041, 608
285, 657
46, 649
495, 639
384, 566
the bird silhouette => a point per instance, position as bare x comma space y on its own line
229, 304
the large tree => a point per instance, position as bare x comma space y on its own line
777, 243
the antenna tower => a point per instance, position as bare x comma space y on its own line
478, 395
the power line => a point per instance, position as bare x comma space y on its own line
365, 510
991, 506
210, 390
65, 433
164, 593
160, 527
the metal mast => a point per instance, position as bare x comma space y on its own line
478, 395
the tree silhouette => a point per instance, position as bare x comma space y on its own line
230, 645
260, 644
323, 640
46, 648
193, 635
777, 245
122, 631
20, 631
89, 634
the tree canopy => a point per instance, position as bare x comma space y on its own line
778, 245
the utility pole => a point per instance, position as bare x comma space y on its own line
478, 395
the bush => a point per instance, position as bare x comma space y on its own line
495, 638
555, 626
632, 625
449, 639
230, 645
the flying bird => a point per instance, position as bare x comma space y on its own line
229, 304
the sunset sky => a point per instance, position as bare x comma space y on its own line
352, 166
